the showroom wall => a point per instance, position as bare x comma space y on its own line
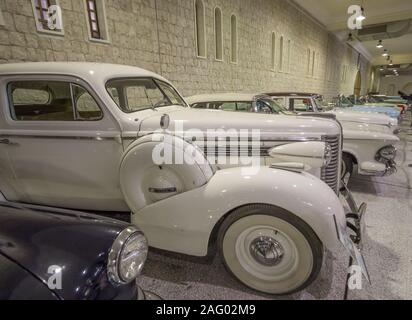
160, 35
391, 85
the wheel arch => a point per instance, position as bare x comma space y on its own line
352, 155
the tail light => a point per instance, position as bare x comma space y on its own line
403, 107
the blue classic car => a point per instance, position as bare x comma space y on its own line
54, 254
344, 102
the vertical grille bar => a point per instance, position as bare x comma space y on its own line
331, 173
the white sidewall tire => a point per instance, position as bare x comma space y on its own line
300, 264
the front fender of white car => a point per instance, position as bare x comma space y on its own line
185, 222
365, 150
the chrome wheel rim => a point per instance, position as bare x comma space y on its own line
267, 253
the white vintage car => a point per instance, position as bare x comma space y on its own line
84, 136
307, 102
370, 146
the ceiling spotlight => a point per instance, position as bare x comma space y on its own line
362, 16
379, 45
381, 69
385, 53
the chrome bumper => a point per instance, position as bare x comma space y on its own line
352, 237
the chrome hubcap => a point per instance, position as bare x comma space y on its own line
267, 251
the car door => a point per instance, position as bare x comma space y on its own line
62, 145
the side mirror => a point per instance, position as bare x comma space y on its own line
165, 121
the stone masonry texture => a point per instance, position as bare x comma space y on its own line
159, 35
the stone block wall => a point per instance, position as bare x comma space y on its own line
159, 35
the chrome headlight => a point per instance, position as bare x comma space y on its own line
386, 154
127, 256
327, 157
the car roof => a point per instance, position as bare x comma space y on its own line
86, 70
222, 97
290, 94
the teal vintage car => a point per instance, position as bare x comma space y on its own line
390, 110
393, 101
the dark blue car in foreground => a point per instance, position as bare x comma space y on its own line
65, 255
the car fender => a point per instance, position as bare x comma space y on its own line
364, 148
184, 223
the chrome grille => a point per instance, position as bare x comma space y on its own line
331, 173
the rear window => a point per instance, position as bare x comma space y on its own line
51, 101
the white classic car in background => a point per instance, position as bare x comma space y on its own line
307, 102
82, 136
369, 146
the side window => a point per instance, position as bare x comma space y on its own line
87, 108
115, 95
171, 94
51, 101
301, 105
200, 105
280, 101
262, 107
228, 106
244, 106
41, 101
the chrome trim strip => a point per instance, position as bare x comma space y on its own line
300, 156
98, 138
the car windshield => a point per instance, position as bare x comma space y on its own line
267, 105
132, 95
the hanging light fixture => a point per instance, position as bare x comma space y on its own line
350, 37
385, 53
379, 45
362, 16
391, 63
388, 58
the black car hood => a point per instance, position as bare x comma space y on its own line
16, 282
38, 240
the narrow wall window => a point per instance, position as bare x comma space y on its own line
96, 20
308, 62
218, 35
48, 16
313, 63
2, 23
273, 52
288, 56
200, 28
93, 19
233, 39
280, 63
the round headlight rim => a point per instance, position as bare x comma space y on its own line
113, 265
121, 253
383, 158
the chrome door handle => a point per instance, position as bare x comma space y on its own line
8, 142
